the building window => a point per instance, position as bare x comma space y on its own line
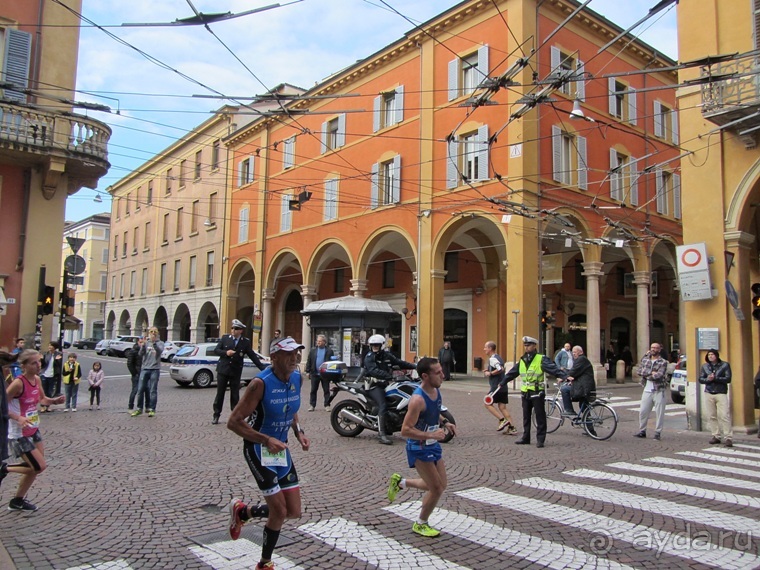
665, 122
124, 247
466, 73
569, 159
149, 197
386, 183
209, 268
169, 179
194, 217
121, 286
389, 274
215, 155
245, 171
103, 282
286, 215
668, 193
198, 162
162, 282
191, 276
132, 279
340, 279
566, 66
334, 133
180, 212
165, 232
115, 247
331, 200
104, 257
144, 284
118, 208
134, 240
126, 206
137, 198
468, 158
182, 173
146, 239
243, 225
624, 178
212, 209
18, 47
451, 266
289, 153
388, 109
177, 273
113, 286
622, 101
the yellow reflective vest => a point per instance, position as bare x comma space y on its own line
532, 376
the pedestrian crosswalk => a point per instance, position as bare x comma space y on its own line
632, 405
695, 508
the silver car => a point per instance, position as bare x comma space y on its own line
171, 347
196, 364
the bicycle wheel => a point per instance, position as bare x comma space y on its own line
554, 419
599, 420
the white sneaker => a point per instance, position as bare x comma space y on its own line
328, 408
65, 409
73, 409
311, 408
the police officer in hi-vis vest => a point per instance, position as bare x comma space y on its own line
531, 368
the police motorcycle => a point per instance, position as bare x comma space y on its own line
354, 414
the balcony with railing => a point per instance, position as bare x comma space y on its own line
30, 136
731, 95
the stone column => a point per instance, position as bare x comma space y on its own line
642, 280
358, 287
592, 271
267, 317
309, 293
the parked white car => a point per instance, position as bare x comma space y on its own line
171, 347
196, 364
102, 347
678, 382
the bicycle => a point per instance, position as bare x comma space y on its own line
598, 419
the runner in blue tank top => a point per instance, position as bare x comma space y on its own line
267, 410
423, 449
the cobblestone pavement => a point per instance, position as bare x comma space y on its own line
123, 492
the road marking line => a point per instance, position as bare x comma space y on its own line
709, 466
239, 554
504, 539
733, 452
607, 530
120, 564
715, 456
714, 479
747, 446
699, 515
372, 547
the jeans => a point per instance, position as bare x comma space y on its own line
148, 386
48, 385
72, 391
719, 415
133, 393
316, 380
567, 401
648, 401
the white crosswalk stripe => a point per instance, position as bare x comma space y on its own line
669, 487
111, 565
699, 515
694, 475
708, 466
609, 530
372, 547
240, 554
503, 539
733, 452
720, 457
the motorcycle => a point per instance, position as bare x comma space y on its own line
353, 415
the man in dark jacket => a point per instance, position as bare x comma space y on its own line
231, 349
531, 368
317, 355
134, 365
447, 359
580, 384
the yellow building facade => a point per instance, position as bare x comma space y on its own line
719, 125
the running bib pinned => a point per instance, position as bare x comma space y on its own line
269, 459
431, 441
33, 417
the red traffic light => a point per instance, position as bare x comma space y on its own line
756, 301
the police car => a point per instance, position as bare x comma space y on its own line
196, 364
678, 381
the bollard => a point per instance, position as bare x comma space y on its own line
620, 372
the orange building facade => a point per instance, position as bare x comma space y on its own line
444, 175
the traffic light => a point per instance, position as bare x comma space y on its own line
70, 301
48, 297
756, 301
544, 321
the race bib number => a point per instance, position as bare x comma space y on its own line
33, 417
269, 459
431, 441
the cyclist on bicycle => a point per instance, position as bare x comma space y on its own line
579, 383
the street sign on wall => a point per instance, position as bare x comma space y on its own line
693, 272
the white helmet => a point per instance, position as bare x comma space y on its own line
376, 339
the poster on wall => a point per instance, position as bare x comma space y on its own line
413, 338
346, 346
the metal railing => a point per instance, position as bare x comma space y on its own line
732, 84
46, 130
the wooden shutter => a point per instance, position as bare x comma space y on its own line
452, 164
399, 104
482, 152
582, 164
453, 79
614, 176
483, 64
676, 196
557, 154
633, 177
658, 126
341, 138
580, 85
396, 189
662, 206
374, 186
674, 125
611, 97
632, 118
377, 109
324, 137
18, 49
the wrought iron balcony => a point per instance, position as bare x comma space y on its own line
70, 143
731, 95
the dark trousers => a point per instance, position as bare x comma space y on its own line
222, 381
94, 395
446, 366
133, 393
48, 385
316, 380
533, 401
377, 393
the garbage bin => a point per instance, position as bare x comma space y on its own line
478, 363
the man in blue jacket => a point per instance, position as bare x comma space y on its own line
231, 349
